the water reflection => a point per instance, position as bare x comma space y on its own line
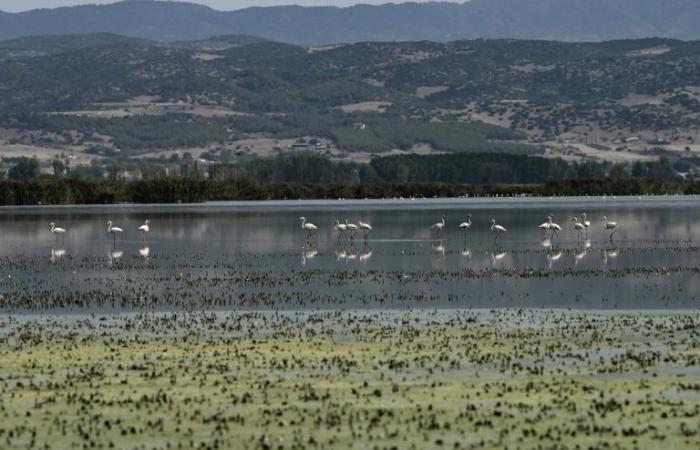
439, 248
497, 255
553, 255
114, 255
366, 253
57, 253
268, 242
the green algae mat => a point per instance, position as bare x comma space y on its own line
352, 380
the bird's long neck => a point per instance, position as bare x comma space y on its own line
52, 227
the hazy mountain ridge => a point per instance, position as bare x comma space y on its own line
566, 20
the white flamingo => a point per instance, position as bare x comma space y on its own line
309, 227
365, 227
610, 226
56, 231
578, 226
114, 231
498, 230
352, 228
439, 226
340, 228
144, 229
144, 251
586, 223
554, 227
465, 226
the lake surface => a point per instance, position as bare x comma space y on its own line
254, 255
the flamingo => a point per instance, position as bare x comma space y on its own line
144, 229
466, 225
586, 223
144, 252
555, 228
58, 232
439, 226
365, 227
309, 227
351, 228
340, 228
114, 231
497, 229
578, 226
610, 226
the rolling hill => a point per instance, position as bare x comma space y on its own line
564, 20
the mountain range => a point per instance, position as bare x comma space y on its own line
563, 20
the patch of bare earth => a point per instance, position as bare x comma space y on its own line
427, 91
366, 107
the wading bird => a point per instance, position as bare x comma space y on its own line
497, 229
554, 227
144, 229
114, 231
610, 226
365, 227
439, 226
309, 227
578, 226
340, 228
465, 226
586, 223
58, 232
351, 227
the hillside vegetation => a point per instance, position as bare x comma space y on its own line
131, 97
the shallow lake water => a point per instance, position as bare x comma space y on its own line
254, 255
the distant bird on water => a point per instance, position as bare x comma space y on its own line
114, 231
497, 229
309, 227
610, 226
465, 226
439, 226
365, 227
144, 229
56, 231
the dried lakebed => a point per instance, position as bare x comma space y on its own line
448, 378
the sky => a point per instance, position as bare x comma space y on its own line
224, 5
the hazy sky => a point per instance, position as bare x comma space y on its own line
23, 5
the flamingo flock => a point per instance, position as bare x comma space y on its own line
498, 230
